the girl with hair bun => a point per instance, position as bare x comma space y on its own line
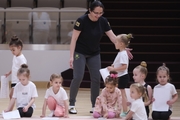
108, 103
139, 75
120, 65
15, 46
163, 77
24, 93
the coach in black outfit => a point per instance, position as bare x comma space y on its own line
84, 50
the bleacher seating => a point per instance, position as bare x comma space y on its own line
3, 3
24, 17
68, 17
1, 22
18, 21
22, 3
45, 25
49, 3
75, 3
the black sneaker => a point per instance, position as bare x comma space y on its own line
72, 110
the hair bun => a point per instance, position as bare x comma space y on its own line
143, 64
113, 74
164, 64
24, 66
96, 0
14, 38
129, 36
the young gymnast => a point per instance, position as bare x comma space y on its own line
137, 110
24, 93
15, 46
56, 98
163, 77
139, 76
120, 65
108, 103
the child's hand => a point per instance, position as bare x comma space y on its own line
110, 68
7, 74
128, 103
117, 115
170, 102
6, 110
153, 99
25, 109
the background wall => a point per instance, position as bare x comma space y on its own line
42, 63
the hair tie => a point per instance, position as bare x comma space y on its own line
113, 75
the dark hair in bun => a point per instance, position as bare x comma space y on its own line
24, 66
24, 70
15, 41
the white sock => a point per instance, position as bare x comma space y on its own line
71, 107
51, 114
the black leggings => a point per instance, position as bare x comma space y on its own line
25, 114
157, 115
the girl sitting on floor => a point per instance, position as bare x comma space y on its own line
137, 110
108, 103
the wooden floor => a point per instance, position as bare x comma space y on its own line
83, 104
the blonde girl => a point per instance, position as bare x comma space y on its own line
139, 75
56, 98
137, 110
24, 93
120, 65
108, 103
15, 46
163, 77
